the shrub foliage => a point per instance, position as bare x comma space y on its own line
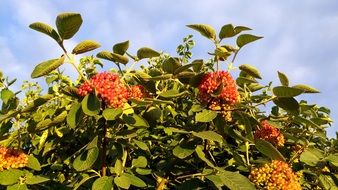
176, 123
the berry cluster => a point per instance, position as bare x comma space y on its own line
269, 133
221, 101
276, 175
109, 87
137, 92
10, 158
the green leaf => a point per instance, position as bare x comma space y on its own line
306, 88
286, 92
68, 24
305, 122
216, 180
114, 57
6, 95
197, 65
205, 30
268, 150
46, 29
103, 183
33, 163
173, 93
10, 177
91, 105
85, 46
186, 67
239, 29
78, 184
196, 80
139, 162
244, 39
121, 48
111, 114
161, 77
46, 67
227, 31
250, 70
86, 160
288, 104
135, 121
75, 115
36, 179
170, 65
201, 155
118, 168
182, 151
205, 116
311, 156
141, 145
146, 52
122, 181
209, 135
283, 79
333, 159
235, 181
17, 187
328, 181
143, 171
137, 182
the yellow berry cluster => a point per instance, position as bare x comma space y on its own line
276, 175
10, 158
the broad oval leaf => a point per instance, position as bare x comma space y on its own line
209, 135
244, 39
46, 29
91, 105
86, 159
173, 93
286, 92
205, 116
289, 104
46, 67
122, 181
33, 163
205, 30
306, 88
268, 150
250, 70
161, 77
283, 79
17, 186
85, 46
111, 114
183, 152
170, 65
36, 179
68, 24
75, 115
135, 121
103, 183
6, 95
10, 177
146, 52
114, 57
139, 162
235, 181
121, 48
227, 31
135, 181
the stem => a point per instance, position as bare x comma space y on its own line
124, 157
118, 65
247, 146
104, 150
190, 175
265, 101
71, 61
235, 55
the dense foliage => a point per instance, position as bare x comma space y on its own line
161, 122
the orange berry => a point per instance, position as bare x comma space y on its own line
270, 133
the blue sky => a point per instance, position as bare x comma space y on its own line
300, 37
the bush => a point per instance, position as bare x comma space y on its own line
177, 123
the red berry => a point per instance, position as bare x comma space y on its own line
10, 158
137, 92
270, 133
108, 87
